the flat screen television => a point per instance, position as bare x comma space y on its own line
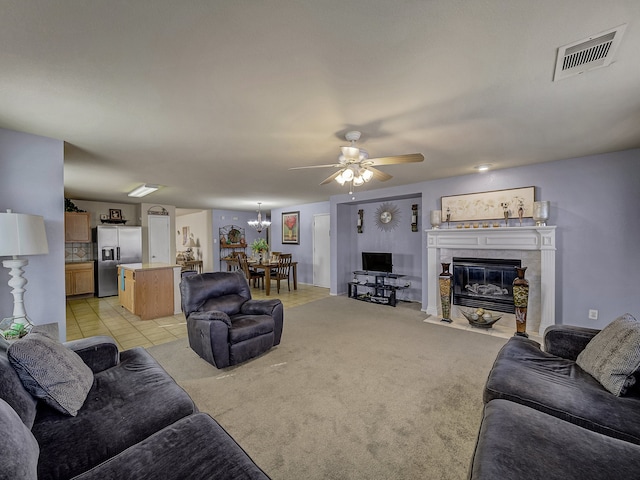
377, 262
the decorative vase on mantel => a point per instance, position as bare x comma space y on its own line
444, 279
520, 301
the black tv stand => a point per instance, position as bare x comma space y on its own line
380, 291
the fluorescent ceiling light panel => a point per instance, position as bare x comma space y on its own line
143, 190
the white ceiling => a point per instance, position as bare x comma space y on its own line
215, 100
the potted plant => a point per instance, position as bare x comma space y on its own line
260, 246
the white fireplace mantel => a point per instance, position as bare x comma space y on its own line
542, 239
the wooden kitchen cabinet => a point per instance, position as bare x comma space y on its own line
147, 290
77, 227
79, 278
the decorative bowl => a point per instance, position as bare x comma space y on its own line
481, 321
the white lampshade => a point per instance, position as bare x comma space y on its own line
357, 181
367, 175
340, 179
22, 234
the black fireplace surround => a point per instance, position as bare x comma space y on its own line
484, 283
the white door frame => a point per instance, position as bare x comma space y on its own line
321, 250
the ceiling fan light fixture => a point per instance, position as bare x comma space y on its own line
340, 179
351, 153
366, 174
357, 181
347, 175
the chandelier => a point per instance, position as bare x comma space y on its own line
259, 224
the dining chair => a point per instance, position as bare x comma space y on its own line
250, 273
282, 270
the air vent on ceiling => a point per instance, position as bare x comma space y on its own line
593, 52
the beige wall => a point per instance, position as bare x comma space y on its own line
199, 225
130, 212
135, 214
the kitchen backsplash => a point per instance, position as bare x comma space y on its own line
78, 252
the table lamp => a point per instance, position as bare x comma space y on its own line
20, 234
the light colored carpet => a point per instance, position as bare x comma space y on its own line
354, 391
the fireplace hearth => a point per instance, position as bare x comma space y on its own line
484, 283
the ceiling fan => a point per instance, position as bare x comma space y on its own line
355, 167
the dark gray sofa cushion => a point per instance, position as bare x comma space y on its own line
126, 404
195, 448
99, 352
524, 374
51, 372
567, 341
13, 392
18, 447
520, 443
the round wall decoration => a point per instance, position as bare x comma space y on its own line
387, 216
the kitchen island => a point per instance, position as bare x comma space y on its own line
149, 290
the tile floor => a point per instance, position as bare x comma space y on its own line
104, 316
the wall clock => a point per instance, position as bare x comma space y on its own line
387, 216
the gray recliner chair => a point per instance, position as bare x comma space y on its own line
225, 325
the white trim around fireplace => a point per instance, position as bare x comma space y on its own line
542, 239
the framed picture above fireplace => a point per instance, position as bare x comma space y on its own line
488, 205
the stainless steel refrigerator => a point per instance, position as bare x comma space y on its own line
115, 245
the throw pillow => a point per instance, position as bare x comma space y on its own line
613, 355
51, 372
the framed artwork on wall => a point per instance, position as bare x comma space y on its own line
291, 227
115, 214
489, 205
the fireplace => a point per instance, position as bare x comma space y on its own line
484, 283
534, 246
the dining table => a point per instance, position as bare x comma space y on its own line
267, 273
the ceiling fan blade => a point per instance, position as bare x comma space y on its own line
379, 174
409, 158
334, 165
330, 178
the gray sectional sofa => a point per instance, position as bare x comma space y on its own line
558, 414
135, 422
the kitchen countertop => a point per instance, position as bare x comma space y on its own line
147, 266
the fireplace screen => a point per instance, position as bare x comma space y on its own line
484, 283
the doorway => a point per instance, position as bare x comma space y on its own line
321, 251
159, 239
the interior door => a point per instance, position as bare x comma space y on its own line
321, 250
159, 239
